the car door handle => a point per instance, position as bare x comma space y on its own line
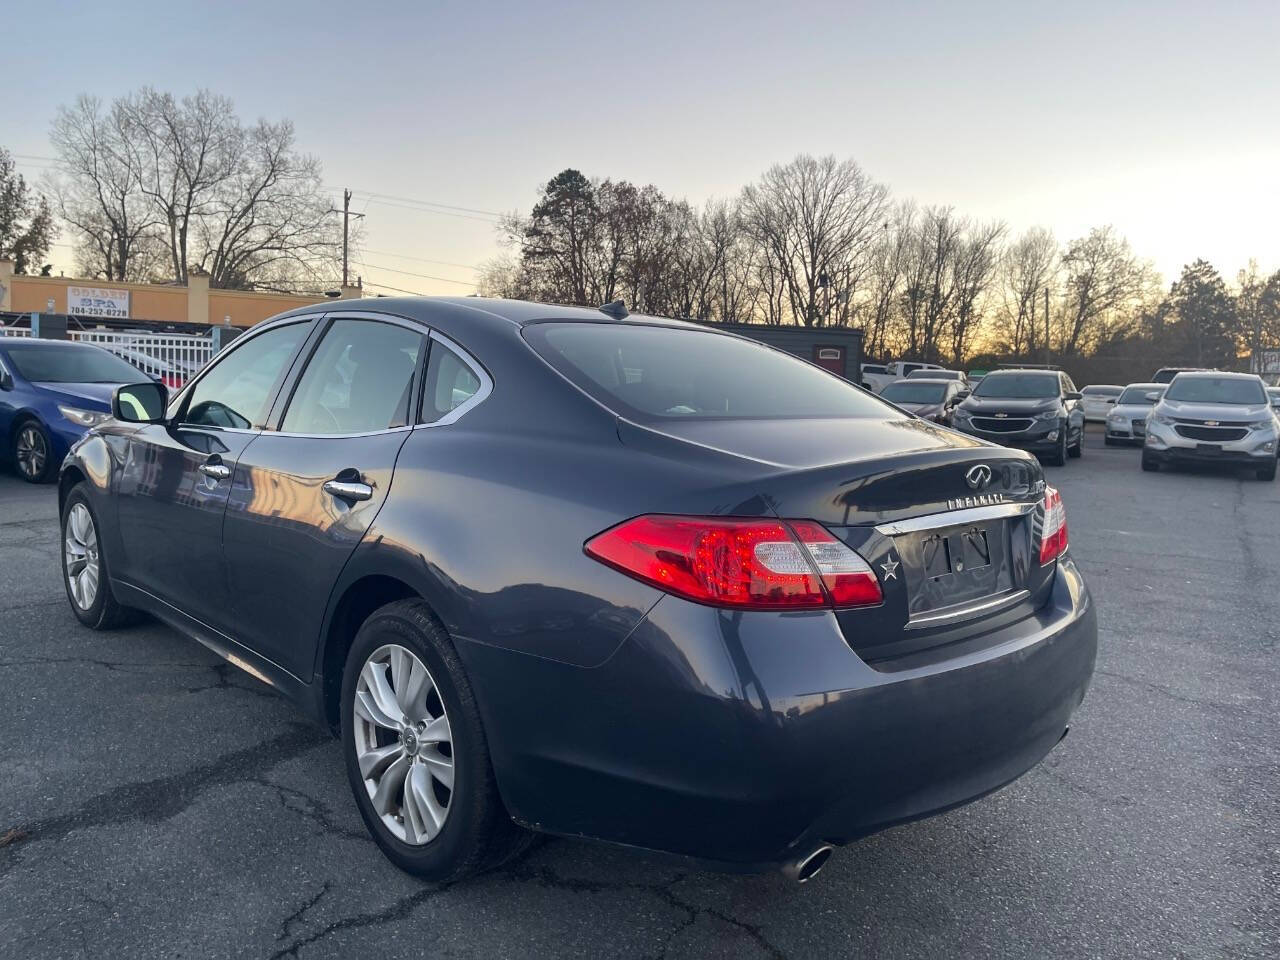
348, 489
218, 471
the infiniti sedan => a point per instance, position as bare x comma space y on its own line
1213, 417
543, 569
51, 392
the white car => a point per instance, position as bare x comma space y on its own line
876, 376
1098, 400
1127, 421
1213, 417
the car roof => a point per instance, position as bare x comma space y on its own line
1002, 371
1205, 374
947, 380
18, 344
1152, 386
1101, 386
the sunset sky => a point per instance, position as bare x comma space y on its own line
1158, 118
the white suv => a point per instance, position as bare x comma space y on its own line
1213, 417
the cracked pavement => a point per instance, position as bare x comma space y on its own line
157, 802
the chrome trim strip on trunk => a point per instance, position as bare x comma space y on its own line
953, 518
947, 615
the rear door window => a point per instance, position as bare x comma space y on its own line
657, 373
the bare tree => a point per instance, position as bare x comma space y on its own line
813, 217
1029, 268
95, 189
1103, 282
241, 203
1258, 307
976, 263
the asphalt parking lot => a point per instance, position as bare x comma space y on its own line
156, 802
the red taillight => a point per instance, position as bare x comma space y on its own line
1053, 534
739, 562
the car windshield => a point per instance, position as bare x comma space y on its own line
906, 391
1018, 386
1232, 390
72, 364
648, 372
1144, 396
1101, 391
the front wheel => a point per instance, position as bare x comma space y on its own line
416, 753
1149, 463
33, 452
84, 567
1268, 473
1077, 450
1059, 456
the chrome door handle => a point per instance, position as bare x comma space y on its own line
348, 490
218, 471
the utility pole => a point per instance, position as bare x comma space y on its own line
1046, 326
346, 230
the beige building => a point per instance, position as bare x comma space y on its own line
166, 303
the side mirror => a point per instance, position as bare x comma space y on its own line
1072, 396
140, 402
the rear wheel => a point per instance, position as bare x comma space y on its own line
416, 753
32, 452
84, 567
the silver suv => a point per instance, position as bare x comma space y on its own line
1213, 417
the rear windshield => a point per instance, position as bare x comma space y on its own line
651, 372
1141, 395
1216, 390
905, 391
64, 364
1018, 386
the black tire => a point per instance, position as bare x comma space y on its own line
25, 434
478, 834
1109, 441
1059, 456
1078, 450
105, 612
1149, 463
1267, 473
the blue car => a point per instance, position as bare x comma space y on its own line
51, 393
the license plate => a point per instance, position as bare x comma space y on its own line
1208, 448
956, 564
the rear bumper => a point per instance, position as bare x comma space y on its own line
741, 740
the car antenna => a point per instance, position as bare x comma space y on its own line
617, 310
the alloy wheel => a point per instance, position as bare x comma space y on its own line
82, 565
32, 451
403, 743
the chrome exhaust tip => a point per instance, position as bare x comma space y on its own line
808, 866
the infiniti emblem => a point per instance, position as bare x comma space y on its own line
978, 476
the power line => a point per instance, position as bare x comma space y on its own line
383, 286
429, 203
420, 276
439, 213
405, 256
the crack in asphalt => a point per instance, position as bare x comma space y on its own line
1229, 708
303, 910
398, 910
164, 797
311, 809
547, 878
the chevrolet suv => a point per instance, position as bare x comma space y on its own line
1036, 410
1213, 417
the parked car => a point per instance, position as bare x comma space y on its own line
1097, 400
51, 392
931, 399
1127, 421
957, 375
1213, 417
1274, 394
635, 580
875, 377
1166, 374
1037, 410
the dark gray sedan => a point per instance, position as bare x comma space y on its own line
544, 569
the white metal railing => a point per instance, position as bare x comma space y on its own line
172, 357
14, 331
